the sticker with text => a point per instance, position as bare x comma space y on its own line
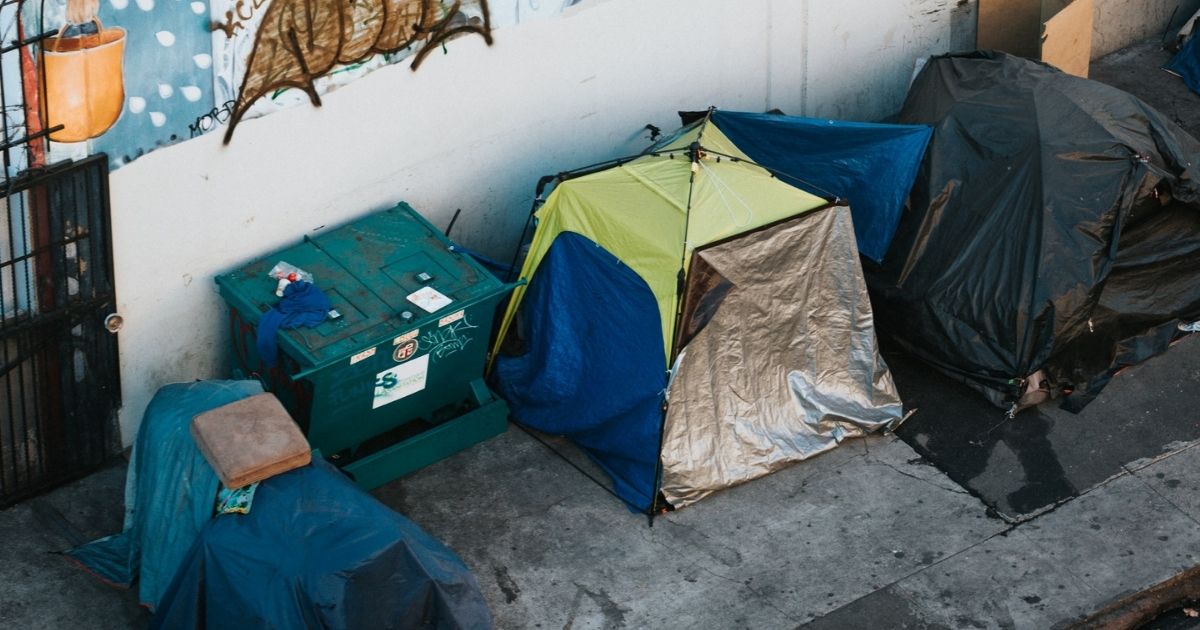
429, 299
401, 381
362, 356
450, 319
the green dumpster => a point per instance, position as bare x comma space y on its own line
394, 381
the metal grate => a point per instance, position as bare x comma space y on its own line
58, 363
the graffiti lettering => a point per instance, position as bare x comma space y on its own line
300, 41
445, 341
216, 117
232, 24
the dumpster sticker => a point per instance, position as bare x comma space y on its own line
412, 334
450, 319
403, 380
445, 341
361, 356
405, 351
429, 299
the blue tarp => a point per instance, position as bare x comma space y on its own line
1187, 63
593, 369
316, 551
169, 491
873, 166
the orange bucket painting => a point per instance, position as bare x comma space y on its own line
83, 88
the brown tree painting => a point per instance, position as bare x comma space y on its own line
300, 41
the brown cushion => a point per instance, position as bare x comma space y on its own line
250, 440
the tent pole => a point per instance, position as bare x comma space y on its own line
538, 200
694, 153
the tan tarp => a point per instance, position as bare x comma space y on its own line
1058, 32
1067, 38
780, 362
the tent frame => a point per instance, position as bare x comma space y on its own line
693, 153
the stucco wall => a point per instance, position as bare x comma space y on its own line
1120, 23
474, 129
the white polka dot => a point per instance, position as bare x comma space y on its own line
198, 8
190, 92
119, 4
137, 104
158, 119
165, 91
166, 38
145, 5
203, 61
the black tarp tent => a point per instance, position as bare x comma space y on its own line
1052, 236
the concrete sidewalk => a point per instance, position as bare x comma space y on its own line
865, 536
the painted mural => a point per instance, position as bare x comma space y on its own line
272, 54
128, 76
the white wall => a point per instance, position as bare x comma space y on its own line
474, 129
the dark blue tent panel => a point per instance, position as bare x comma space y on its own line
594, 367
169, 494
316, 551
1187, 63
873, 166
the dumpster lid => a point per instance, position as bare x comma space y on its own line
374, 270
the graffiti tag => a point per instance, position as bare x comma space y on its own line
216, 117
300, 41
444, 342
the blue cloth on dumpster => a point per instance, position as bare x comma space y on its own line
302, 305
1187, 63
169, 491
318, 552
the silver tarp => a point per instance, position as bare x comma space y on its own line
779, 359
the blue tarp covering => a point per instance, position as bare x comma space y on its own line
316, 551
169, 491
873, 166
1187, 63
593, 369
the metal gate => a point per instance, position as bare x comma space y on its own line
59, 384
58, 362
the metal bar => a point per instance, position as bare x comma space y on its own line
22, 388
33, 253
9, 429
58, 317
21, 43
5, 146
4, 103
82, 343
111, 342
38, 368
81, 382
38, 175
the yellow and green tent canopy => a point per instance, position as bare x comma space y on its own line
655, 210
